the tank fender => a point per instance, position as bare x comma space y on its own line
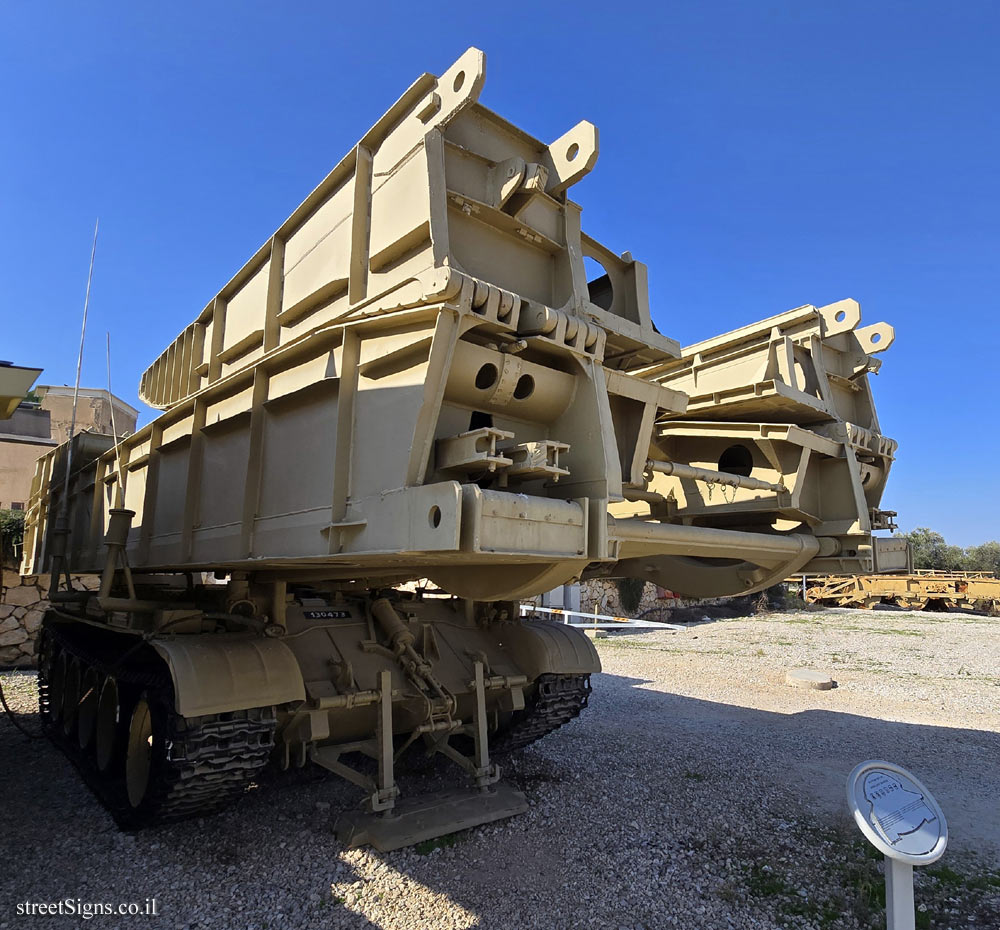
215, 677
541, 647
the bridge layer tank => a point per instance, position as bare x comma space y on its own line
414, 378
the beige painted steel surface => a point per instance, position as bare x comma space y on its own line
893, 555
979, 591
414, 378
247, 673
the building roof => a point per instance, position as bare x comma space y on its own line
15, 382
66, 390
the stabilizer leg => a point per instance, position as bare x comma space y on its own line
413, 820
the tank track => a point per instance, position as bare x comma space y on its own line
205, 763
557, 700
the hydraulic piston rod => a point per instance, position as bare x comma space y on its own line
645, 537
708, 476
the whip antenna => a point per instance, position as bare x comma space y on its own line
61, 529
114, 432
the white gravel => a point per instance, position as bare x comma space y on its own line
698, 790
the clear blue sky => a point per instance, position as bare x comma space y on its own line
756, 155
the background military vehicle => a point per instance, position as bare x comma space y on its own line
414, 378
919, 590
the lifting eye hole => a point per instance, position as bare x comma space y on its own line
459, 81
572, 152
434, 517
841, 316
599, 288
487, 376
525, 387
736, 460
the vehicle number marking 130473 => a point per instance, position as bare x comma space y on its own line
326, 614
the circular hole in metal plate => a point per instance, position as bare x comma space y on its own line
736, 460
524, 388
487, 376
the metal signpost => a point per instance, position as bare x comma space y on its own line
901, 819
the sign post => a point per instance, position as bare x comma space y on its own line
901, 819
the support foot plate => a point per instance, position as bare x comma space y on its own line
428, 816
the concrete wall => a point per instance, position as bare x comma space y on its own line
33, 430
93, 411
17, 466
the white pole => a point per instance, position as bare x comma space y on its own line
61, 528
622, 621
899, 913
79, 365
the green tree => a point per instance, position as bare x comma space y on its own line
984, 558
931, 551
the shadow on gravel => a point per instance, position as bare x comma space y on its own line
816, 749
651, 810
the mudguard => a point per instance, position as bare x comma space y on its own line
542, 647
214, 676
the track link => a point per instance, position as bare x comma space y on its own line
198, 764
557, 700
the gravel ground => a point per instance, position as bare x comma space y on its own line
698, 790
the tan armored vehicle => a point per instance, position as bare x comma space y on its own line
414, 379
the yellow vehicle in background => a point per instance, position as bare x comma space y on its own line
920, 590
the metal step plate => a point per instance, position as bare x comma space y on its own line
428, 816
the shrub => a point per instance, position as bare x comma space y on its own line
630, 593
11, 535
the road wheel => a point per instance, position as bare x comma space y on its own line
70, 696
106, 725
86, 715
139, 753
57, 687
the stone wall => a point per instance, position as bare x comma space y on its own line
22, 606
602, 593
